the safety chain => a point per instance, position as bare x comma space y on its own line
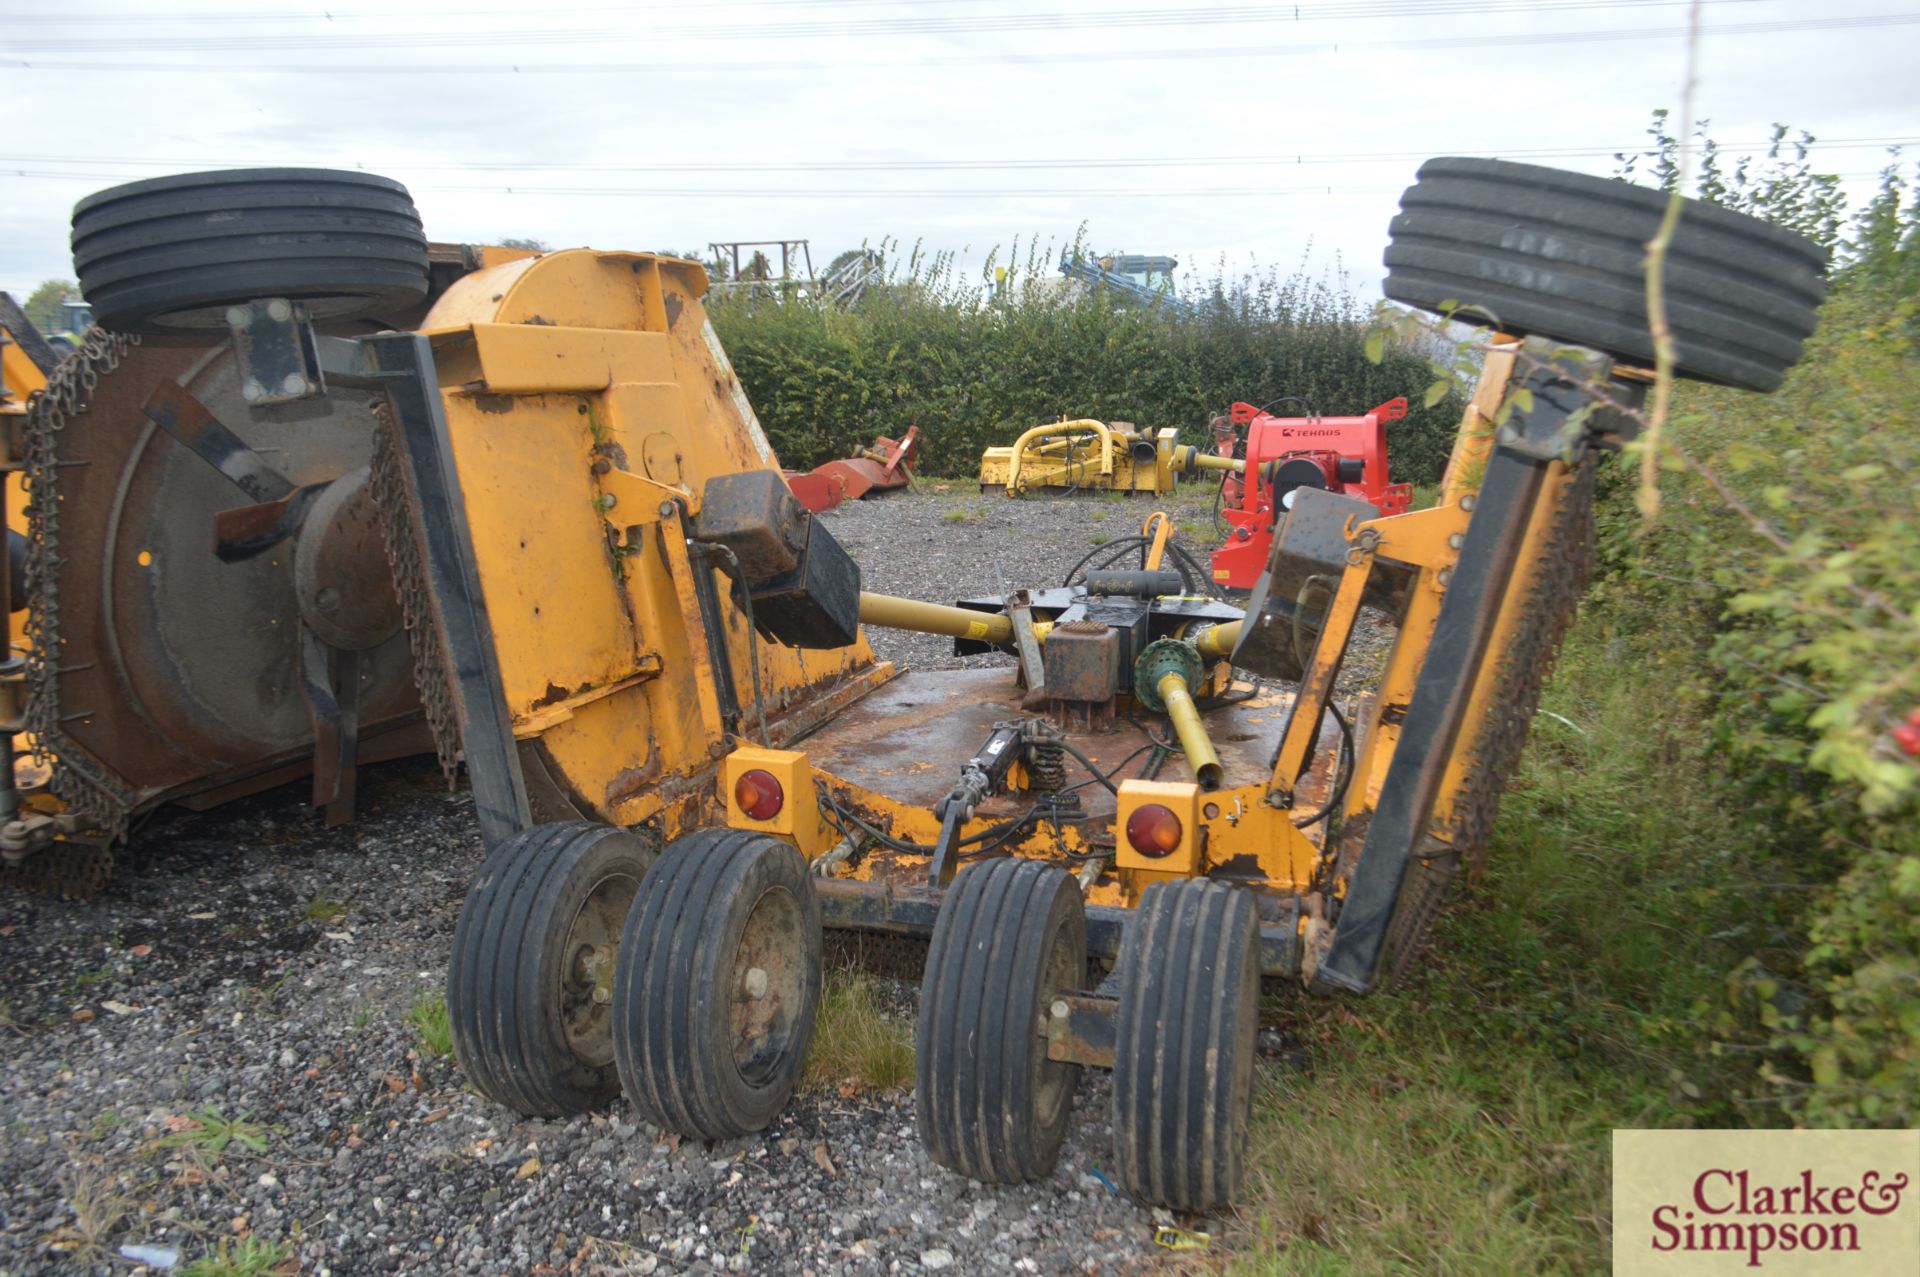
94, 797
389, 488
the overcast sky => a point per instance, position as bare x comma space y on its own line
1249, 131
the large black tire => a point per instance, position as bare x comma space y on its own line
171, 254
704, 1049
1011, 937
540, 925
1183, 1060
1563, 255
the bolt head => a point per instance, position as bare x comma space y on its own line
280, 310
602, 995
1059, 1008
239, 317
295, 384
1467, 502
1457, 540
756, 983
253, 391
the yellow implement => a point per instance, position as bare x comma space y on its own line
1064, 457
686, 761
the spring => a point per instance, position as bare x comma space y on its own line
1047, 765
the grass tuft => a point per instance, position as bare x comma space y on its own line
324, 908
858, 1043
428, 1016
99, 1208
248, 1257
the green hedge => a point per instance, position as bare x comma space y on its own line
972, 370
1783, 576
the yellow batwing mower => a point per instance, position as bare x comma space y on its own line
686, 761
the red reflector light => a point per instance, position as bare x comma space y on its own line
1153, 830
759, 795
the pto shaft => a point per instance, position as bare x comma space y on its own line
934, 618
1163, 679
1201, 756
1217, 640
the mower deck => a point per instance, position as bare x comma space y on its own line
909, 740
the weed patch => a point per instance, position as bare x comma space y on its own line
858, 1043
212, 1132
248, 1257
99, 1207
324, 908
431, 1027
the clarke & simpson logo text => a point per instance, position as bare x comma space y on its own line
1727, 1211
1779, 1202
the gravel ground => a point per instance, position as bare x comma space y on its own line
247, 966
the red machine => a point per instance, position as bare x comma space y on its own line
882, 468
1347, 455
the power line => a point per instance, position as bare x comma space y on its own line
1300, 160
1001, 59
170, 17
809, 193
907, 24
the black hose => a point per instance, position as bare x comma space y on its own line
753, 636
1090, 765
840, 816
1302, 400
1343, 771
1194, 579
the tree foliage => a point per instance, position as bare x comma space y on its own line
43, 304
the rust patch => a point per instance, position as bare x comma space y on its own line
614, 453
1244, 867
493, 403
632, 780
554, 694
674, 307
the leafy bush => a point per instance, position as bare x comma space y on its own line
1793, 520
974, 366
1780, 588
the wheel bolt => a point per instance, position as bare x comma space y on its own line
1059, 1008
756, 983
602, 994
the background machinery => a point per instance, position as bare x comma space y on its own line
1140, 278
686, 760
885, 467
1084, 456
1347, 455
